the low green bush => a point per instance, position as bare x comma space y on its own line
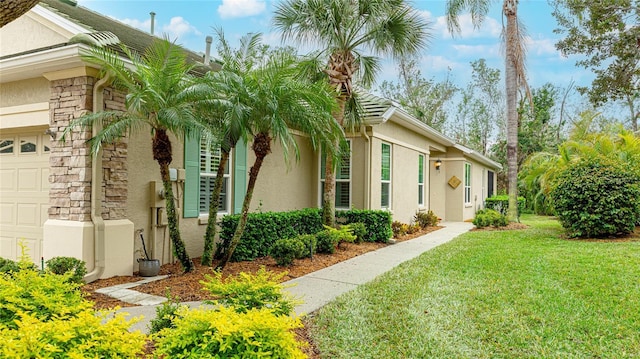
426, 219
597, 197
500, 203
377, 223
489, 217
285, 250
85, 335
310, 244
8, 266
250, 291
62, 265
264, 229
226, 333
359, 230
165, 314
44, 296
327, 242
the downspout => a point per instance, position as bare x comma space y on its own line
96, 190
367, 168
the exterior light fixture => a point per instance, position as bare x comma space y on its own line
438, 163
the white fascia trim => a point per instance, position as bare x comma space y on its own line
478, 157
61, 21
36, 63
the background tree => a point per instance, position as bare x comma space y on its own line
279, 101
13, 9
607, 33
160, 96
480, 112
514, 75
426, 99
344, 30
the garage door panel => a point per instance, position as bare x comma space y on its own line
28, 214
28, 179
7, 213
8, 248
7, 177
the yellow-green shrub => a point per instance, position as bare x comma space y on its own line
86, 335
225, 333
44, 296
250, 291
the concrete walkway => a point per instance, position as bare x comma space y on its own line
319, 288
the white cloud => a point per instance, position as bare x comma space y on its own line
478, 51
138, 24
179, 27
241, 8
490, 28
541, 46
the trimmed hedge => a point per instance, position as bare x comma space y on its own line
377, 223
500, 203
264, 229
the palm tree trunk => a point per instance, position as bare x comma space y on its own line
511, 82
162, 154
261, 147
214, 204
329, 194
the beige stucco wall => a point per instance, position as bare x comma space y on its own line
25, 92
280, 187
406, 145
30, 32
143, 169
359, 159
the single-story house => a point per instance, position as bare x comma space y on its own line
58, 200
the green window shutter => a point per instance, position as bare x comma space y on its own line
192, 180
239, 176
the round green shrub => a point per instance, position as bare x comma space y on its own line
310, 245
8, 266
62, 265
285, 250
359, 230
326, 242
597, 198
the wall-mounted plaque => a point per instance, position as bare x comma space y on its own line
454, 182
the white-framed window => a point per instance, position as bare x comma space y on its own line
209, 161
343, 179
420, 180
385, 176
467, 183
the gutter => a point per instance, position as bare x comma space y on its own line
96, 190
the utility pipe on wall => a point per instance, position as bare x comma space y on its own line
96, 190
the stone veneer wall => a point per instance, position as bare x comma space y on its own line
70, 161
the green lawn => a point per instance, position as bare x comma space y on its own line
501, 294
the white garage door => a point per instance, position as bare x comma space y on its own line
24, 192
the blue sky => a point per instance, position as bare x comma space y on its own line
191, 21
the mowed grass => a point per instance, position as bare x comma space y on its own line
501, 294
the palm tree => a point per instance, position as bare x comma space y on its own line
160, 96
514, 76
280, 101
13, 9
344, 30
229, 119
